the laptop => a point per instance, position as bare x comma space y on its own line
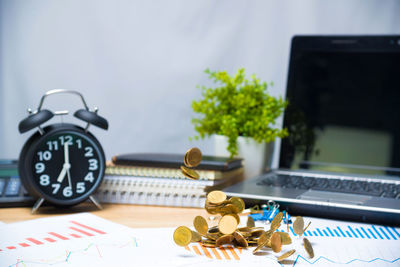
342, 156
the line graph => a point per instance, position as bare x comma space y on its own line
321, 258
95, 248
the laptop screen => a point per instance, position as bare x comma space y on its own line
344, 105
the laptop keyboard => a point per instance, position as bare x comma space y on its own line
376, 189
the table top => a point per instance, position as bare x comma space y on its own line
130, 215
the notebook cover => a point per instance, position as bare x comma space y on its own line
175, 161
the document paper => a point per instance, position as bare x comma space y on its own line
87, 240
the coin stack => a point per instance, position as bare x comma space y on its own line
228, 232
191, 160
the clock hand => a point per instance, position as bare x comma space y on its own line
66, 153
67, 165
69, 180
62, 175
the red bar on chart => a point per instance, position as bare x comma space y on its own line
75, 235
89, 228
37, 242
226, 255
235, 255
24, 245
11, 247
49, 239
206, 252
81, 231
59, 236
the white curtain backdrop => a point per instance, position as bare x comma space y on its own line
139, 61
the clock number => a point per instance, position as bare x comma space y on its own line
67, 191
89, 177
80, 187
46, 155
44, 180
52, 144
66, 139
93, 164
89, 151
56, 188
79, 142
39, 167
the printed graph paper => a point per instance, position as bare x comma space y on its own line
87, 240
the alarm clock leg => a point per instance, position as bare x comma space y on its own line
37, 205
96, 202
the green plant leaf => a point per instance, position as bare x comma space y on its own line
238, 106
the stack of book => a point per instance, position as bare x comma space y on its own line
156, 179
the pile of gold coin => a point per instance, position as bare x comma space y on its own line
227, 230
191, 160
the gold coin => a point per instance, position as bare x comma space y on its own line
208, 245
193, 157
246, 235
189, 173
236, 217
276, 222
298, 225
256, 232
229, 209
227, 225
250, 222
237, 202
240, 240
308, 247
210, 208
285, 238
185, 160
225, 239
276, 243
213, 236
286, 255
196, 237
260, 246
216, 197
244, 229
252, 243
213, 230
182, 236
201, 225
265, 237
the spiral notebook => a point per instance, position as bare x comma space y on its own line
113, 169
154, 179
159, 191
152, 191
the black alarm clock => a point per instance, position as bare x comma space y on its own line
61, 163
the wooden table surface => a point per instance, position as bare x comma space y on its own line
129, 215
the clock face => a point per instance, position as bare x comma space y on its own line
66, 165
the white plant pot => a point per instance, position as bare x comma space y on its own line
257, 157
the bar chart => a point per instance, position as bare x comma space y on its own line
367, 232
74, 231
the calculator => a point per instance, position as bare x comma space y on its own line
12, 193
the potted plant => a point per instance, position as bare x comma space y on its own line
242, 113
